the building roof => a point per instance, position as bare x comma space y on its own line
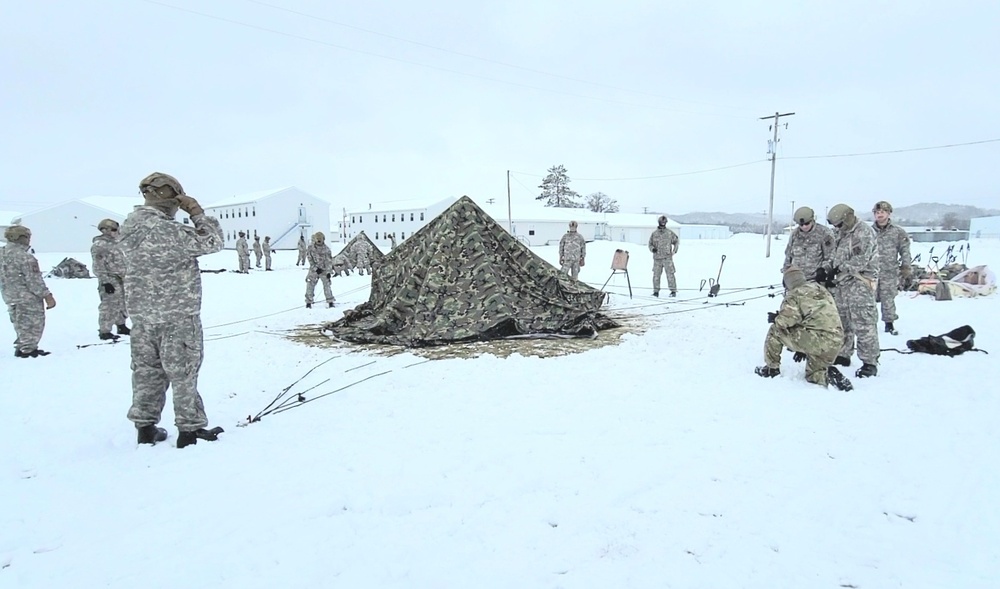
405, 204
247, 198
121, 205
8, 216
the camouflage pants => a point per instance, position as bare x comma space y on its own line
302, 258
311, 280
267, 261
29, 323
111, 310
664, 265
341, 267
886, 295
820, 348
573, 269
258, 256
244, 262
856, 305
362, 263
167, 355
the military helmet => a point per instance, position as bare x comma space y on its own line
318, 237
838, 214
573, 224
882, 205
109, 224
157, 180
804, 215
662, 220
17, 234
793, 278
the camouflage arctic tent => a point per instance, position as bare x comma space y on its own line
376, 255
462, 277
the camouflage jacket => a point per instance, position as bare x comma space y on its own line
162, 278
241, 247
854, 254
302, 246
340, 260
807, 250
320, 257
572, 247
256, 248
810, 306
109, 265
663, 243
361, 248
893, 244
21, 280
265, 247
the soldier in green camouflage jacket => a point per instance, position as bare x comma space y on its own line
808, 246
893, 262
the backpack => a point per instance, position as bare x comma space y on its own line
953, 343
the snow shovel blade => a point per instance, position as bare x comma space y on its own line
714, 291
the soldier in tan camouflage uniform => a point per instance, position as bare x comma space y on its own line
163, 296
257, 252
361, 253
808, 324
243, 253
266, 248
851, 274
893, 244
663, 243
392, 241
302, 251
808, 246
341, 263
24, 291
572, 251
320, 265
109, 267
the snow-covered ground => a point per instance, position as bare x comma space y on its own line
659, 462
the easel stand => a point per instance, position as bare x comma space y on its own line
619, 265
627, 281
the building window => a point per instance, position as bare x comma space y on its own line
376, 235
239, 214
531, 231
246, 211
394, 217
383, 218
402, 235
352, 219
421, 216
411, 216
361, 219
376, 218
255, 211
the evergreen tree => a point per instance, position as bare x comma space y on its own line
556, 191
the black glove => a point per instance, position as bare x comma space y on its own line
319, 270
799, 356
830, 276
821, 276
771, 317
109, 288
654, 250
328, 276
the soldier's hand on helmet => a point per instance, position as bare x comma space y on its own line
189, 205
821, 275
799, 356
50, 301
653, 249
771, 316
108, 288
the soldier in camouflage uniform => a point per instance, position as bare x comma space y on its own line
24, 291
302, 251
341, 263
257, 252
392, 241
266, 248
851, 274
663, 243
320, 263
109, 267
163, 296
572, 251
808, 324
362, 251
893, 244
808, 246
243, 253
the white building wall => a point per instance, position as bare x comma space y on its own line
67, 227
985, 228
282, 215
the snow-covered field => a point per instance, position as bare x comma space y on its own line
659, 462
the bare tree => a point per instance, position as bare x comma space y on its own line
949, 221
601, 203
556, 191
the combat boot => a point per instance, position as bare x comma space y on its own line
123, 329
767, 371
673, 294
866, 370
890, 328
150, 434
842, 361
309, 305
656, 293
107, 335
191, 438
838, 380
330, 304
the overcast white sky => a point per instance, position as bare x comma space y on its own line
441, 98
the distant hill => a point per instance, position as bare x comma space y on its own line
932, 212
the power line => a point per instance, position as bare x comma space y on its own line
433, 67
947, 146
484, 59
658, 176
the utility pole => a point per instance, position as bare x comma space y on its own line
510, 220
773, 150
